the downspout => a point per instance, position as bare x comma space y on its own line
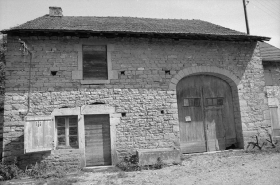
25, 48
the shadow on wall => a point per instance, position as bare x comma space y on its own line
1, 128
16, 148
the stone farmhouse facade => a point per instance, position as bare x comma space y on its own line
89, 90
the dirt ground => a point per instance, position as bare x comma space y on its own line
230, 168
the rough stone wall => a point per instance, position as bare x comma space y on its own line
3, 41
142, 92
253, 101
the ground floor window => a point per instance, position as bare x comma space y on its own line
67, 132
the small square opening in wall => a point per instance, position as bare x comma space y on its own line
167, 72
122, 72
123, 114
53, 73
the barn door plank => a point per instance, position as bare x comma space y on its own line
275, 121
192, 137
219, 110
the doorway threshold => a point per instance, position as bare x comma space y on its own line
215, 152
101, 169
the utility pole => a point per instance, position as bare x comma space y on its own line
246, 19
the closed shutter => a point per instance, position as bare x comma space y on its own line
275, 121
38, 134
95, 62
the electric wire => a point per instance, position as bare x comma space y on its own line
267, 12
268, 8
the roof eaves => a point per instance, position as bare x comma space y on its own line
235, 37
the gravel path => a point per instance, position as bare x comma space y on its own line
229, 168
220, 168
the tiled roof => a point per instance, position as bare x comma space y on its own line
127, 25
269, 52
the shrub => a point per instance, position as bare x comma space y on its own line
159, 164
129, 163
46, 169
10, 171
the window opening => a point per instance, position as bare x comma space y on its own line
67, 132
191, 102
95, 62
213, 102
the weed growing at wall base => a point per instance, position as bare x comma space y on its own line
10, 171
130, 163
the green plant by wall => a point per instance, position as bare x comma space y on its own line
10, 171
129, 163
46, 169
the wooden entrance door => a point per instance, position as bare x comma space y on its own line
205, 114
97, 140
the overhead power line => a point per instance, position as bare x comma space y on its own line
266, 5
266, 10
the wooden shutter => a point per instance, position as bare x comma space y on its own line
38, 134
268, 77
275, 121
95, 62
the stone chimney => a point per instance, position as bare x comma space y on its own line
55, 11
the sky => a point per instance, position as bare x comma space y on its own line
263, 15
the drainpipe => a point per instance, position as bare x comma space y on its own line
26, 50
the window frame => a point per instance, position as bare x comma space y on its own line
69, 112
67, 133
78, 75
86, 47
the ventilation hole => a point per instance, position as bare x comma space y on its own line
123, 114
162, 111
231, 147
64, 106
167, 72
53, 73
122, 72
97, 103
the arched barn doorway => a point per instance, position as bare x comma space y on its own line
206, 116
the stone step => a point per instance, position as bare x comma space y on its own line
101, 169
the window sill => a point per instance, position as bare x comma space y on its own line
66, 151
88, 82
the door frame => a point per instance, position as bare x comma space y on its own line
114, 121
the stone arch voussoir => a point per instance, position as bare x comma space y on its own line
220, 72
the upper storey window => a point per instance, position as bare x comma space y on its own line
94, 62
95, 65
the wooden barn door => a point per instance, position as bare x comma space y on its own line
97, 140
205, 114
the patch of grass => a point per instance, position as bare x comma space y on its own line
46, 169
122, 175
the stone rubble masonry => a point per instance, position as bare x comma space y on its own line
142, 92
